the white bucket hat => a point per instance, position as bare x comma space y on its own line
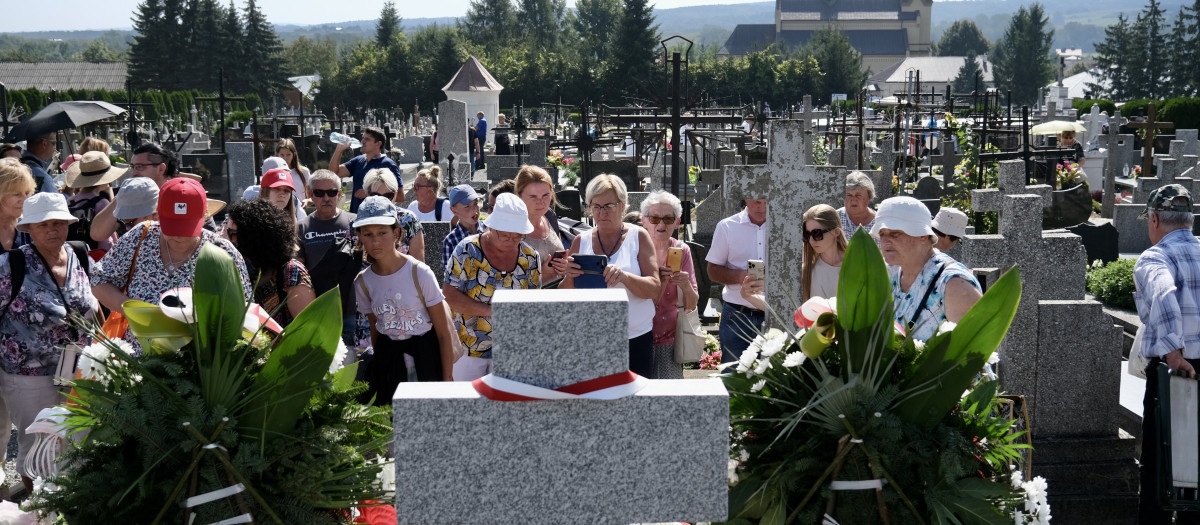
951, 222
906, 214
42, 207
509, 215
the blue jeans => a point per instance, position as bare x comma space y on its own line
737, 330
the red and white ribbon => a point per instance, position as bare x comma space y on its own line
608, 387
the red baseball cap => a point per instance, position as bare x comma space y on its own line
278, 177
181, 206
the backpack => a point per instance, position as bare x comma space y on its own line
16, 261
85, 211
437, 209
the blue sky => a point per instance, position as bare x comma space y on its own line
72, 15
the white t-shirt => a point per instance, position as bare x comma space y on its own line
395, 302
432, 215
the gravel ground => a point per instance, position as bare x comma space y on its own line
11, 478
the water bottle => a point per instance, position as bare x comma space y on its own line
338, 138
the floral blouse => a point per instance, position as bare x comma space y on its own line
410, 225
934, 313
150, 276
472, 274
36, 325
267, 295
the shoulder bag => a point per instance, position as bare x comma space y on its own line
689, 335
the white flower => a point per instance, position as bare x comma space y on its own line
994, 358
759, 385
763, 365
743, 455
919, 345
747, 359
946, 326
92, 361
732, 471
339, 357
772, 343
1017, 479
794, 359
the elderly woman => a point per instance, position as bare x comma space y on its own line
860, 191
928, 286
36, 315
262, 234
632, 264
496, 259
660, 215
16, 185
427, 203
536, 190
381, 183
158, 256
139, 202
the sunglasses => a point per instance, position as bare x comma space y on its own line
389, 195
656, 220
817, 235
325, 193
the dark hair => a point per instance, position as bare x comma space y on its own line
266, 237
377, 134
504, 186
165, 156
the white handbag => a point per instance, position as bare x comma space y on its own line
689, 335
1137, 361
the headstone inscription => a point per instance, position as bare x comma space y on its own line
469, 459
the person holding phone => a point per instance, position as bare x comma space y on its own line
736, 240
536, 189
632, 264
661, 215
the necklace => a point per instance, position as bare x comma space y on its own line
600, 241
173, 264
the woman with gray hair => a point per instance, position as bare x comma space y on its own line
860, 191
661, 215
380, 182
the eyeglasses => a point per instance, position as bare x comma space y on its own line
608, 208
139, 167
665, 218
389, 195
325, 193
817, 235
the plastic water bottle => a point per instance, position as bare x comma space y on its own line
338, 138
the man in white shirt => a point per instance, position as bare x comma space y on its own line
736, 240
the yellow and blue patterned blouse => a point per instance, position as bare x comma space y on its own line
470, 272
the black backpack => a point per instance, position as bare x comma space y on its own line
85, 211
16, 262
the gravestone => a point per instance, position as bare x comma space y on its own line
452, 139
655, 456
538, 150
1094, 123
1099, 238
411, 150
634, 199
1191, 141
210, 167
929, 192
1134, 237
790, 187
1062, 353
243, 172
495, 163
1119, 147
708, 213
435, 233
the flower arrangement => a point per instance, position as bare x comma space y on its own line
693, 174
1068, 174
568, 168
1135, 172
849, 410
711, 360
216, 403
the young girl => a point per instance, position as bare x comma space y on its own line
287, 151
404, 304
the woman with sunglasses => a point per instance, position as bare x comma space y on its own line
632, 264
381, 183
660, 215
427, 203
824, 249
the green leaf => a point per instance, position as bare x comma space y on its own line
154, 329
219, 299
776, 514
344, 377
970, 502
864, 288
945, 371
294, 370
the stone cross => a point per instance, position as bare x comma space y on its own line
1114, 163
1094, 122
790, 187
1151, 126
948, 158
1191, 141
469, 459
1011, 181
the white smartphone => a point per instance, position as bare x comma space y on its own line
757, 269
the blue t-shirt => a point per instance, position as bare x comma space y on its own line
358, 168
481, 129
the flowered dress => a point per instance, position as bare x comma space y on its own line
410, 225
941, 267
472, 274
36, 324
267, 294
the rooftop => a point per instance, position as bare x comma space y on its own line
61, 76
472, 76
939, 70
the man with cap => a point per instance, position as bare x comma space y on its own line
323, 236
1167, 293
464, 203
950, 226
39, 151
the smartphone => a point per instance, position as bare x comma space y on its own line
757, 269
675, 259
593, 271
561, 254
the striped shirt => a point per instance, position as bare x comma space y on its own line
1167, 292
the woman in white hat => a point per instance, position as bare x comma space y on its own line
35, 315
401, 299
496, 259
950, 226
928, 286
91, 177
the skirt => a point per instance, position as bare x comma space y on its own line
387, 369
665, 366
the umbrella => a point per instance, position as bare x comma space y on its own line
63, 115
1055, 127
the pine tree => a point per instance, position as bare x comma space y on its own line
207, 50
1150, 64
965, 81
633, 58
596, 21
490, 24
262, 68
962, 39
1022, 55
1113, 60
229, 37
145, 51
840, 63
1178, 57
542, 20
1187, 56
388, 26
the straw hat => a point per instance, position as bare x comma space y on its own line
93, 169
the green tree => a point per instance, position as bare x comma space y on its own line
840, 63
962, 39
438, 53
489, 24
98, 51
229, 38
305, 56
1186, 47
1114, 62
541, 20
1151, 67
152, 41
262, 67
965, 81
596, 21
1022, 55
633, 58
388, 26
796, 77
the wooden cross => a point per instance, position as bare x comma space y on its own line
1151, 126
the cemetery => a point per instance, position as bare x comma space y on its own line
1030, 403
